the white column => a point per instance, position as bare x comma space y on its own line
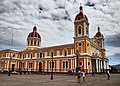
71, 64
26, 65
96, 65
104, 66
85, 63
45, 65
33, 43
75, 62
57, 65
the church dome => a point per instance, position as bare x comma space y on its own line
80, 15
34, 34
33, 39
98, 34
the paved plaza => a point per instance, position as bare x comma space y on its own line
59, 80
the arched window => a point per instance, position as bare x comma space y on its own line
66, 64
23, 56
30, 65
38, 43
22, 64
51, 64
80, 63
79, 30
51, 53
40, 54
26, 55
34, 42
88, 63
31, 56
86, 30
65, 52
79, 18
43, 55
31, 42
28, 42
63, 64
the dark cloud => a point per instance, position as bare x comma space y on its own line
114, 59
113, 40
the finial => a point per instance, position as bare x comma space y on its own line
34, 28
81, 8
98, 28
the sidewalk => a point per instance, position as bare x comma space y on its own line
58, 80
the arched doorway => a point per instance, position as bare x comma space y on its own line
13, 67
40, 67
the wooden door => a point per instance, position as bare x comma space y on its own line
13, 67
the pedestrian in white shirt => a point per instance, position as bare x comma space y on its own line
108, 74
84, 75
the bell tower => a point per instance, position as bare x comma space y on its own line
100, 38
81, 31
81, 24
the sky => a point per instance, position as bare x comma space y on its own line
55, 22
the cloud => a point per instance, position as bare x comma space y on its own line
113, 40
55, 21
115, 59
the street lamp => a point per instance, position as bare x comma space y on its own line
52, 66
52, 70
77, 54
20, 64
44, 69
9, 72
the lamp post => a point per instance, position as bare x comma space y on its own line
52, 68
78, 75
9, 72
20, 64
77, 54
44, 69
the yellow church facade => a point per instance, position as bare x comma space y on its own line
84, 53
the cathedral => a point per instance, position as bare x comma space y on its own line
84, 54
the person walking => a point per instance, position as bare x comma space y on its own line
79, 76
93, 74
83, 74
108, 75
